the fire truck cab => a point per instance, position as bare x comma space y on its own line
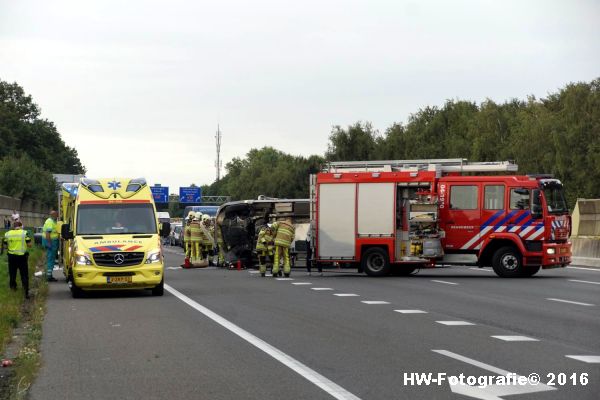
421, 213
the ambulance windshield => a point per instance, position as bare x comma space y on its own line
115, 219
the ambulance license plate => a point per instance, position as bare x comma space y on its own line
118, 279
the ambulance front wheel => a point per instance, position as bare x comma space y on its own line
159, 289
375, 262
507, 262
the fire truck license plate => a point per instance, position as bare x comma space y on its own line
563, 250
118, 279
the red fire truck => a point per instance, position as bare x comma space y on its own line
413, 214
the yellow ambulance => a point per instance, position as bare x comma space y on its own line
111, 236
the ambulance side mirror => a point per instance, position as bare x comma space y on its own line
165, 229
65, 232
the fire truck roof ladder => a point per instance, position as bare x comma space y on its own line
439, 165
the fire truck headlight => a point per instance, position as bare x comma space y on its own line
82, 259
154, 256
551, 251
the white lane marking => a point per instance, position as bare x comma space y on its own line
516, 338
321, 288
301, 283
346, 295
586, 359
587, 269
173, 267
492, 392
570, 302
284, 279
481, 269
577, 280
254, 272
375, 302
455, 323
411, 311
309, 374
446, 282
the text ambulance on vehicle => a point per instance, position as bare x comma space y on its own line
111, 238
419, 213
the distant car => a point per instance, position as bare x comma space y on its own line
176, 237
37, 235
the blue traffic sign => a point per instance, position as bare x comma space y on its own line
160, 194
189, 195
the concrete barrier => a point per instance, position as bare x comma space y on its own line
585, 234
586, 251
32, 213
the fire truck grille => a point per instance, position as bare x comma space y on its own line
118, 259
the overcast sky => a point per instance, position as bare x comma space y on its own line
138, 86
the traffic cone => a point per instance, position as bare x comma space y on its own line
239, 265
186, 263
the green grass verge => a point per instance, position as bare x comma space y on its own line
13, 312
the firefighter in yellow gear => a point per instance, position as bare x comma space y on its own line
264, 248
207, 237
196, 237
220, 244
284, 232
187, 238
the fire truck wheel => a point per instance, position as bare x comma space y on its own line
375, 262
507, 262
530, 271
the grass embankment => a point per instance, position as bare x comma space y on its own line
22, 317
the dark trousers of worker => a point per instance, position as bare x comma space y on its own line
18, 263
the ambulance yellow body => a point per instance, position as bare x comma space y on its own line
111, 237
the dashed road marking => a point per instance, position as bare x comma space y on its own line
515, 338
346, 295
455, 323
375, 302
481, 269
570, 302
254, 272
587, 269
321, 288
586, 359
446, 282
301, 283
578, 281
304, 371
411, 311
284, 279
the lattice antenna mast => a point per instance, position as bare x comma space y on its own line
218, 162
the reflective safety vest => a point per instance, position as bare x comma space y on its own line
265, 240
17, 240
51, 226
285, 234
195, 232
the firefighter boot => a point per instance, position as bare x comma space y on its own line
262, 266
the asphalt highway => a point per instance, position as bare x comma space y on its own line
228, 334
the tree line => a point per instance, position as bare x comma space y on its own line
31, 149
558, 135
